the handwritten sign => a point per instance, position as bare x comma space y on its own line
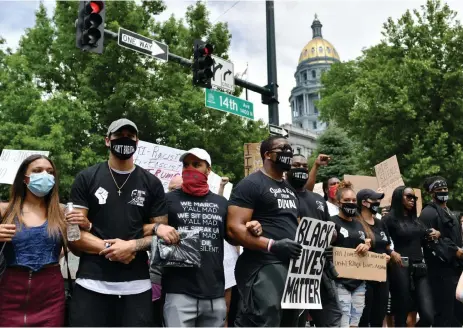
362, 182
389, 178
10, 160
349, 264
302, 288
252, 158
230, 256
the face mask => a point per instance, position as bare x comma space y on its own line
332, 191
442, 196
298, 177
284, 160
194, 182
123, 148
374, 207
40, 184
349, 209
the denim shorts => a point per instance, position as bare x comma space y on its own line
352, 304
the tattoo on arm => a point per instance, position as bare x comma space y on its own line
143, 244
160, 219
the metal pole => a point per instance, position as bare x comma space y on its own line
247, 94
272, 62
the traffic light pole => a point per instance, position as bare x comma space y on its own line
273, 116
188, 63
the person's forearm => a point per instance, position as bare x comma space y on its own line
312, 178
221, 190
241, 236
143, 244
88, 243
148, 228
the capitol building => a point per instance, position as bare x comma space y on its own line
316, 57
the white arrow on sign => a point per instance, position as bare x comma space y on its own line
277, 130
156, 50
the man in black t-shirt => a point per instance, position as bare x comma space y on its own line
313, 205
113, 286
262, 269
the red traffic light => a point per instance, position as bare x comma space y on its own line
206, 50
94, 7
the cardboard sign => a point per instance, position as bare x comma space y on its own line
362, 182
419, 201
10, 160
302, 288
252, 159
389, 178
349, 264
318, 189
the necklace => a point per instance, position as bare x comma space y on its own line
119, 188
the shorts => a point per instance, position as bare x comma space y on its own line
352, 304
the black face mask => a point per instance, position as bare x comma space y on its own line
374, 207
123, 148
349, 209
442, 196
298, 177
284, 160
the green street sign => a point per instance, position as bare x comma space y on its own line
230, 104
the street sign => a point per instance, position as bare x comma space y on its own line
142, 44
224, 75
278, 131
230, 104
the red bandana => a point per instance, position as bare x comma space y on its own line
194, 182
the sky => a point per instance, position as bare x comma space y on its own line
350, 25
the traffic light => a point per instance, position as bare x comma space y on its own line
203, 64
90, 26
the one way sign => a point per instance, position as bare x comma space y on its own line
277, 131
142, 44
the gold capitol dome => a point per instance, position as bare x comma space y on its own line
318, 50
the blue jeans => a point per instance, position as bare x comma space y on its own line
352, 304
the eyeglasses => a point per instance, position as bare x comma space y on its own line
285, 148
411, 197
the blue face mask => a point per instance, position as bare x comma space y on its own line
40, 184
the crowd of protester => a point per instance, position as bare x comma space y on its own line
127, 223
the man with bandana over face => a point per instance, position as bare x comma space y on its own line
444, 254
314, 206
113, 285
262, 269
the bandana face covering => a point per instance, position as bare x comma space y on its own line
194, 182
298, 177
332, 191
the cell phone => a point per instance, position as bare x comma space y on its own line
405, 261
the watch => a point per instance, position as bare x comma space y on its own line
155, 228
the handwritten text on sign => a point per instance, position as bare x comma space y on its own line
349, 264
302, 288
389, 178
10, 160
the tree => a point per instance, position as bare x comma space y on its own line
404, 96
336, 143
67, 98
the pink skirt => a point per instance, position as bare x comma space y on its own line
32, 298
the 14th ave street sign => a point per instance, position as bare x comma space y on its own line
230, 104
142, 44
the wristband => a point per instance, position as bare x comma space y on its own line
269, 245
89, 228
389, 251
155, 228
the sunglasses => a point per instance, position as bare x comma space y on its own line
411, 197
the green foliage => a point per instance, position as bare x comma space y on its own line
336, 143
55, 97
404, 96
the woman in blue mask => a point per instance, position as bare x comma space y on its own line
32, 235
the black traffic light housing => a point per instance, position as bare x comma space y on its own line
90, 26
202, 64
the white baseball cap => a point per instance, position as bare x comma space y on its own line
198, 152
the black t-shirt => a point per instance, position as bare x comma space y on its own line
382, 239
208, 214
313, 205
407, 235
117, 216
275, 205
350, 235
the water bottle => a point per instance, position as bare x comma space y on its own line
73, 230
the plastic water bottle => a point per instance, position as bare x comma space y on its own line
73, 230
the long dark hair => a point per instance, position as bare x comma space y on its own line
397, 206
18, 191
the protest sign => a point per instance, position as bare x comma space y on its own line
419, 201
389, 178
349, 264
252, 159
318, 189
302, 288
10, 160
362, 182
230, 256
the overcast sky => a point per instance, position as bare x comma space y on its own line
349, 25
